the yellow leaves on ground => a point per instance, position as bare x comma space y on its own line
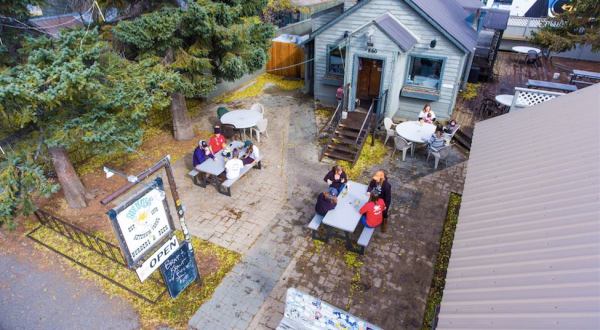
256, 87
370, 156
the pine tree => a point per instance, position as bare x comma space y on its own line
578, 26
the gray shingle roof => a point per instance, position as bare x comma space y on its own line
496, 19
395, 31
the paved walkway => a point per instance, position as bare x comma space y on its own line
36, 297
392, 283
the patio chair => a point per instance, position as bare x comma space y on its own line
441, 153
488, 109
228, 130
258, 107
448, 136
221, 111
532, 58
401, 144
389, 131
261, 128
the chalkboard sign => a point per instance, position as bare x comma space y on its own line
180, 270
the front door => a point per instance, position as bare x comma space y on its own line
368, 81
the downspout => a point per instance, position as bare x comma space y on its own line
467, 69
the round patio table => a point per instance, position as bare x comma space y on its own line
241, 118
505, 99
525, 49
414, 131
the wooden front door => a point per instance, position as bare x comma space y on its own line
369, 79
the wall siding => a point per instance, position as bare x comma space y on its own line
396, 61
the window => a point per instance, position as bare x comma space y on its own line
335, 60
425, 72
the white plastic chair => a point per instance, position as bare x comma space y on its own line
448, 136
258, 107
441, 153
261, 128
389, 131
401, 144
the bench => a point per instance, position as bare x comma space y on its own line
531, 83
194, 173
314, 225
225, 186
364, 238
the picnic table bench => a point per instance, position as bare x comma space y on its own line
578, 76
345, 217
531, 83
215, 167
303, 312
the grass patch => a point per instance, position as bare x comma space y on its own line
352, 261
370, 156
438, 282
324, 113
214, 263
470, 92
255, 88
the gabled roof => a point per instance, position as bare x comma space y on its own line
470, 4
447, 16
395, 31
495, 19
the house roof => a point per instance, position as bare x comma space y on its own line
445, 15
496, 19
526, 250
53, 24
395, 31
470, 4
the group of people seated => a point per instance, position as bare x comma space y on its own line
374, 212
234, 161
441, 137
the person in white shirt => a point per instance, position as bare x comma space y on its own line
252, 153
234, 166
427, 114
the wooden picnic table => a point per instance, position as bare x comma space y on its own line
531, 83
579, 74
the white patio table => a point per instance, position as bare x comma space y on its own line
415, 132
525, 49
505, 99
345, 216
242, 119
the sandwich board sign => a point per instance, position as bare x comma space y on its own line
157, 258
142, 222
180, 270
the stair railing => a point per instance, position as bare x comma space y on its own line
334, 120
366, 130
365, 120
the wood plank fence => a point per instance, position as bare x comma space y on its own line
286, 55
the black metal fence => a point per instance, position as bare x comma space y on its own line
93, 243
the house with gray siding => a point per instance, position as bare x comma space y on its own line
399, 54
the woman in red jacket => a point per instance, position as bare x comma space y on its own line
372, 212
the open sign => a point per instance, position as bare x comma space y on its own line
157, 258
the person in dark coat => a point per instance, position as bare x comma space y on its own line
380, 186
201, 153
336, 178
326, 201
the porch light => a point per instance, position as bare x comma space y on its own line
433, 43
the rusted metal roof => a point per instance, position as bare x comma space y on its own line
526, 252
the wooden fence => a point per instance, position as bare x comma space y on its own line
282, 55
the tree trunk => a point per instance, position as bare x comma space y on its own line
68, 178
182, 124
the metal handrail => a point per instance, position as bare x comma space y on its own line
332, 117
365, 121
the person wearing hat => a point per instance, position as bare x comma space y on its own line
217, 141
251, 154
326, 201
201, 153
380, 186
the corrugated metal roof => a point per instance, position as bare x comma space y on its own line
526, 251
451, 16
396, 31
470, 4
54, 24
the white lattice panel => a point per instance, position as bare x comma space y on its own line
528, 97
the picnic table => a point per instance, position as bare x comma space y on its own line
305, 312
531, 83
579, 74
210, 167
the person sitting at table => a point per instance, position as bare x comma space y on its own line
381, 187
450, 127
234, 165
427, 114
252, 153
372, 212
326, 201
217, 140
201, 153
336, 178
436, 141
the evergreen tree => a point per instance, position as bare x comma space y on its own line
206, 43
80, 94
579, 25
13, 15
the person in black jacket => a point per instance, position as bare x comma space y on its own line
336, 178
326, 201
380, 186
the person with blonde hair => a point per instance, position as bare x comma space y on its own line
381, 187
427, 114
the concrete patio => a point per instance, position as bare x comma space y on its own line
265, 220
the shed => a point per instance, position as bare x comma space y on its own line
526, 251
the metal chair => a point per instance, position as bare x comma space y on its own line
261, 128
221, 111
389, 131
532, 58
488, 109
401, 144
